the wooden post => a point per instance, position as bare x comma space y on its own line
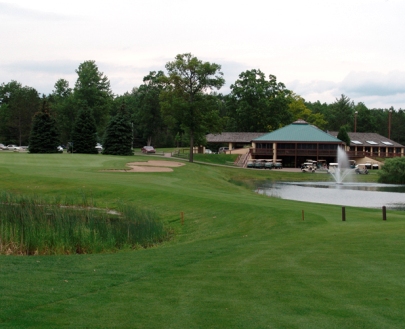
302, 214
182, 218
343, 214
384, 212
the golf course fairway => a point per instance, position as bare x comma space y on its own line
238, 260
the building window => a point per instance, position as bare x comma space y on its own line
327, 146
307, 146
264, 145
285, 146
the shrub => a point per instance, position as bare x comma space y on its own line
393, 171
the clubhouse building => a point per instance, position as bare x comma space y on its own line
300, 141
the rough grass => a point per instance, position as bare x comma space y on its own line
34, 226
240, 260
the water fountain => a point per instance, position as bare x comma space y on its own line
342, 169
368, 195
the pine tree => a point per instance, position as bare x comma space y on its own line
118, 135
44, 137
343, 135
84, 135
92, 89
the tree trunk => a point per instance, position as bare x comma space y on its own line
191, 157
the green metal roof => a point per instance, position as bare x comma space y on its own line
298, 131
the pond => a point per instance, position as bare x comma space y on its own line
367, 195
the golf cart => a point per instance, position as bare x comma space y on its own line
308, 167
361, 169
333, 168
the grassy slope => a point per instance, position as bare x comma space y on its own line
240, 261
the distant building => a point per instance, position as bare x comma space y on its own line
233, 140
301, 141
296, 143
371, 145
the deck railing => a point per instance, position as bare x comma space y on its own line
293, 152
362, 154
320, 153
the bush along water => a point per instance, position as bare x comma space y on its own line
30, 226
393, 171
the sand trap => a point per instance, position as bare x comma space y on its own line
150, 166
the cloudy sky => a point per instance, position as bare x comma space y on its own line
319, 49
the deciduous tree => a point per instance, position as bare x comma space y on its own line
299, 110
65, 108
365, 121
259, 105
148, 114
184, 102
18, 105
397, 126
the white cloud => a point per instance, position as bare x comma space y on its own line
45, 67
319, 49
12, 11
374, 89
316, 86
374, 83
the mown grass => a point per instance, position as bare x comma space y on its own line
240, 260
222, 159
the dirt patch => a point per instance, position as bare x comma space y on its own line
149, 166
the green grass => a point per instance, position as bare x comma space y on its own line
241, 260
32, 226
221, 159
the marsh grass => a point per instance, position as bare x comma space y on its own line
30, 226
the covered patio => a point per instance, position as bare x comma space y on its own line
295, 144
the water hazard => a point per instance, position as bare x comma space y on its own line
367, 195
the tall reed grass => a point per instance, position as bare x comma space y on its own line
30, 225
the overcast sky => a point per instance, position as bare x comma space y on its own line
319, 49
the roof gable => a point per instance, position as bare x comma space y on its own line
298, 131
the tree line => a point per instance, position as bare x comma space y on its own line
177, 107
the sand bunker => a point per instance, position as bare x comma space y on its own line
150, 166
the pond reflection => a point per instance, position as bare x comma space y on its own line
368, 195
